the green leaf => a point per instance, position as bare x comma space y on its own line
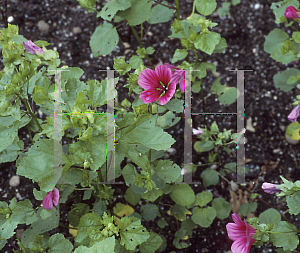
204, 216
77, 211
293, 203
207, 42
45, 213
88, 223
152, 244
175, 105
135, 61
235, 2
160, 14
132, 197
222, 207
167, 120
182, 194
133, 14
146, 133
204, 146
161, 223
280, 79
179, 212
179, 55
247, 208
293, 130
168, 171
274, 42
7, 229
214, 128
271, 215
121, 66
149, 211
209, 177
105, 246
11, 153
90, 5
43, 225
296, 37
290, 239
38, 164
104, 39
220, 47
203, 198
58, 243
206, 7
132, 233
112, 7
153, 194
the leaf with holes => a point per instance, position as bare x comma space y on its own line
104, 39
139, 12
132, 233
112, 7
160, 14
105, 246
122, 211
168, 171
152, 244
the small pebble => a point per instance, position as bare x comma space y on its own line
249, 125
10, 19
14, 181
77, 30
43, 26
171, 151
257, 6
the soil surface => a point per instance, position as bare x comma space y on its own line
268, 154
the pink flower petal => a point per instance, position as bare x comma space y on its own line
164, 74
149, 96
47, 201
240, 246
55, 196
148, 79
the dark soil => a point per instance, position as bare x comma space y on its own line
244, 31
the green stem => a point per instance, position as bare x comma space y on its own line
31, 113
140, 43
177, 9
165, 217
30, 134
196, 55
194, 5
61, 225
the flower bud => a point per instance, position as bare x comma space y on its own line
291, 12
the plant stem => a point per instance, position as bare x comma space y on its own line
140, 43
30, 134
165, 217
31, 113
177, 10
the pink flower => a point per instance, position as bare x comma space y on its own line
270, 188
52, 195
158, 84
197, 131
241, 233
294, 114
291, 12
32, 48
179, 74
